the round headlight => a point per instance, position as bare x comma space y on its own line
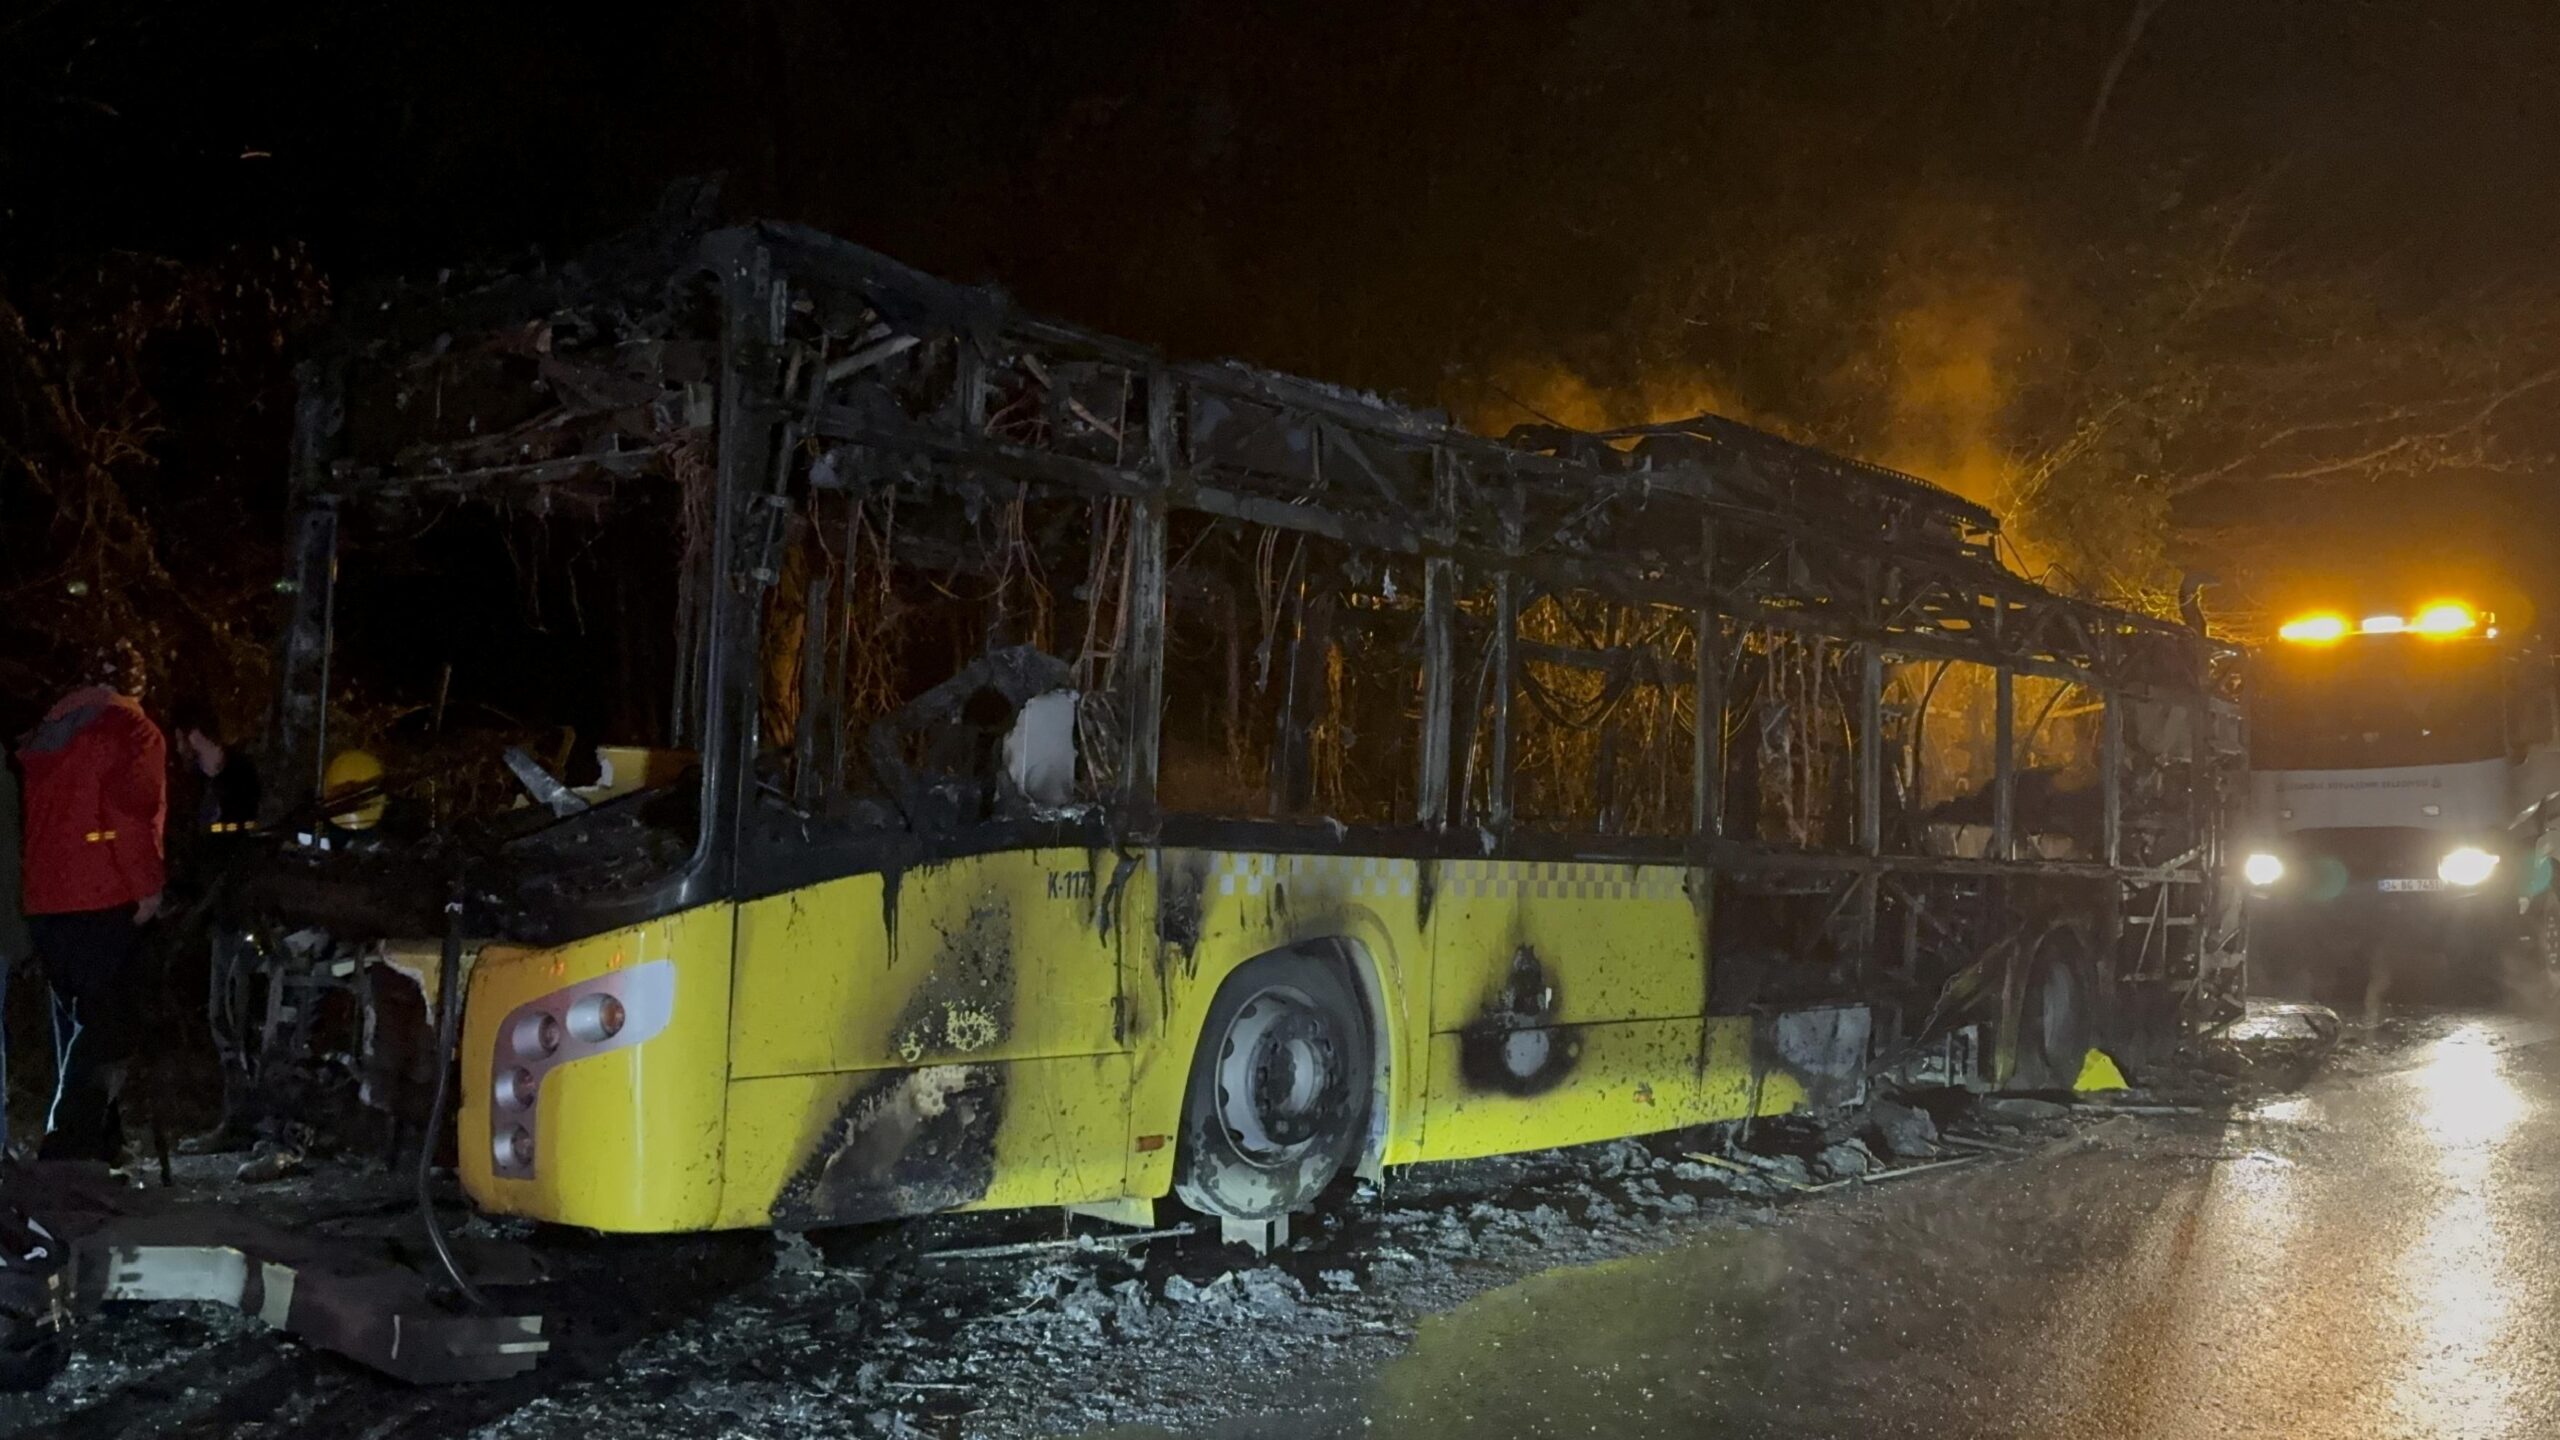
2262, 868
513, 1149
2466, 867
596, 1018
537, 1034
515, 1088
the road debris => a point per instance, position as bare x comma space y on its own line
2109, 1109
1977, 1143
2020, 1110
2275, 1043
1847, 1160
1904, 1132
2103, 1133
994, 1326
1064, 1242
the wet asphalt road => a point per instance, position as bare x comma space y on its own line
2372, 1257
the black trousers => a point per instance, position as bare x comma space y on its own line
93, 961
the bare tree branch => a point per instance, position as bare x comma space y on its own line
2410, 444
2134, 25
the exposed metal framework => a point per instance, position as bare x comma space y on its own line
1807, 606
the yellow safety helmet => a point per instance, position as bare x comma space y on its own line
350, 771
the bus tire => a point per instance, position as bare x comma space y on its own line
2057, 1017
1279, 1092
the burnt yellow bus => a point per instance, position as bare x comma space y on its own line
961, 761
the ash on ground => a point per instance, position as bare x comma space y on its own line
1070, 1326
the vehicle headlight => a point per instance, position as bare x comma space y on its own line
535, 1035
2262, 869
515, 1088
513, 1149
613, 1011
597, 1018
2468, 866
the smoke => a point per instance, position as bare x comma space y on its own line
1947, 386
1930, 383
1954, 356
1543, 392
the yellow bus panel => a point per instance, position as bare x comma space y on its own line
866, 1145
1609, 1081
1605, 942
627, 1139
1020, 1028
987, 957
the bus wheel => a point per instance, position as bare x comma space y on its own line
2058, 1021
1279, 1092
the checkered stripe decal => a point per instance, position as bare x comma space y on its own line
1560, 880
1347, 876
1367, 877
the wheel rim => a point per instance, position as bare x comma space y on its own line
2058, 1012
1279, 1074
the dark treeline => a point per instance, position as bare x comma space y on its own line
2162, 278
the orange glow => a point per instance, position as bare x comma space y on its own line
2314, 629
2445, 617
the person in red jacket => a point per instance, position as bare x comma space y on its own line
92, 867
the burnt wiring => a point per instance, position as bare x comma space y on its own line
448, 1057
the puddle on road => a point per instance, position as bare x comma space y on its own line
1837, 1323
1631, 1347
2361, 1260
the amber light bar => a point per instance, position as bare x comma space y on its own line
2441, 618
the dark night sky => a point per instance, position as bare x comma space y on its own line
1379, 140
1883, 226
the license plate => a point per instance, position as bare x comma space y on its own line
2408, 885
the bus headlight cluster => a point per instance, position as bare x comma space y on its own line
2262, 869
2466, 867
610, 1012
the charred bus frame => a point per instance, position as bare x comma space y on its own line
843, 378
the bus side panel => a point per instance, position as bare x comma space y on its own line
1216, 910
1631, 1078
1055, 1135
1626, 1078
1605, 942
1566, 1004
988, 957
803, 997
626, 1140
908, 1009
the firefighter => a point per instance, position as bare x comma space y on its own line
96, 803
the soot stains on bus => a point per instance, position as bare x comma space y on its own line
1514, 1046
1181, 887
921, 1138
